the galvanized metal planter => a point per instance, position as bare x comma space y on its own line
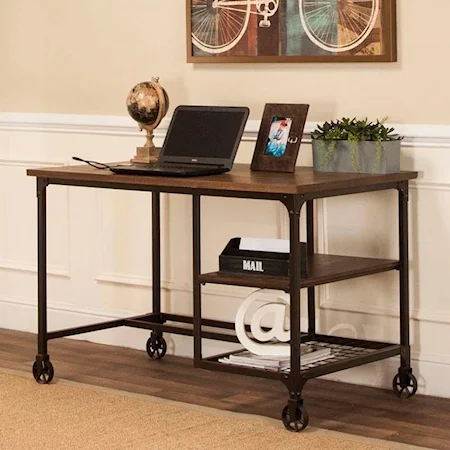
363, 157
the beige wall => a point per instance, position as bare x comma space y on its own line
82, 57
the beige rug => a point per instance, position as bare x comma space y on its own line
67, 415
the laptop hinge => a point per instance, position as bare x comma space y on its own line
194, 163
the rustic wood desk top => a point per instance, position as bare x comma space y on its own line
239, 179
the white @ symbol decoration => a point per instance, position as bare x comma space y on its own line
277, 306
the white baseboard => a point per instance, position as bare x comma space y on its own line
21, 315
431, 377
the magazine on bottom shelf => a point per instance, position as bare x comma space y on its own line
310, 353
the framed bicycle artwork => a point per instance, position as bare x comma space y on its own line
291, 30
279, 137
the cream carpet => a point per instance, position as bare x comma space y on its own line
67, 415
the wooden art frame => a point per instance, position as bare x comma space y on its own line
279, 137
291, 31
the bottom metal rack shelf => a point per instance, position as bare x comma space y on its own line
346, 353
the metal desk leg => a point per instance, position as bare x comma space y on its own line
294, 415
156, 252
311, 290
156, 344
404, 383
42, 368
197, 317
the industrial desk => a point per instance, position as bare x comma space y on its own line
293, 191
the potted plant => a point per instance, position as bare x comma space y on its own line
350, 145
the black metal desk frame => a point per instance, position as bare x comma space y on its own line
294, 415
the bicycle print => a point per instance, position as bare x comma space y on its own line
285, 30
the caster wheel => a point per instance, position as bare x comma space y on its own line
43, 371
297, 423
404, 385
156, 348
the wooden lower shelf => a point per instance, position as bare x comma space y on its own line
322, 269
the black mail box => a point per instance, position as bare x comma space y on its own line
233, 259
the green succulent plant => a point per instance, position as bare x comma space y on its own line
355, 131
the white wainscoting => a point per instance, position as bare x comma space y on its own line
11, 204
415, 135
98, 271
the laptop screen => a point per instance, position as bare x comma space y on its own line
204, 134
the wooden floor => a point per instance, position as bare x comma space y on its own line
421, 420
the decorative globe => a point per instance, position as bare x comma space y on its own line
147, 104
143, 103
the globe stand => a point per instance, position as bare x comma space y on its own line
148, 153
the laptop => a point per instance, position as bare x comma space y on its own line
201, 140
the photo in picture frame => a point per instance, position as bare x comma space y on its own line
279, 137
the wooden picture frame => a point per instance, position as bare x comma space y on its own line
279, 137
291, 31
